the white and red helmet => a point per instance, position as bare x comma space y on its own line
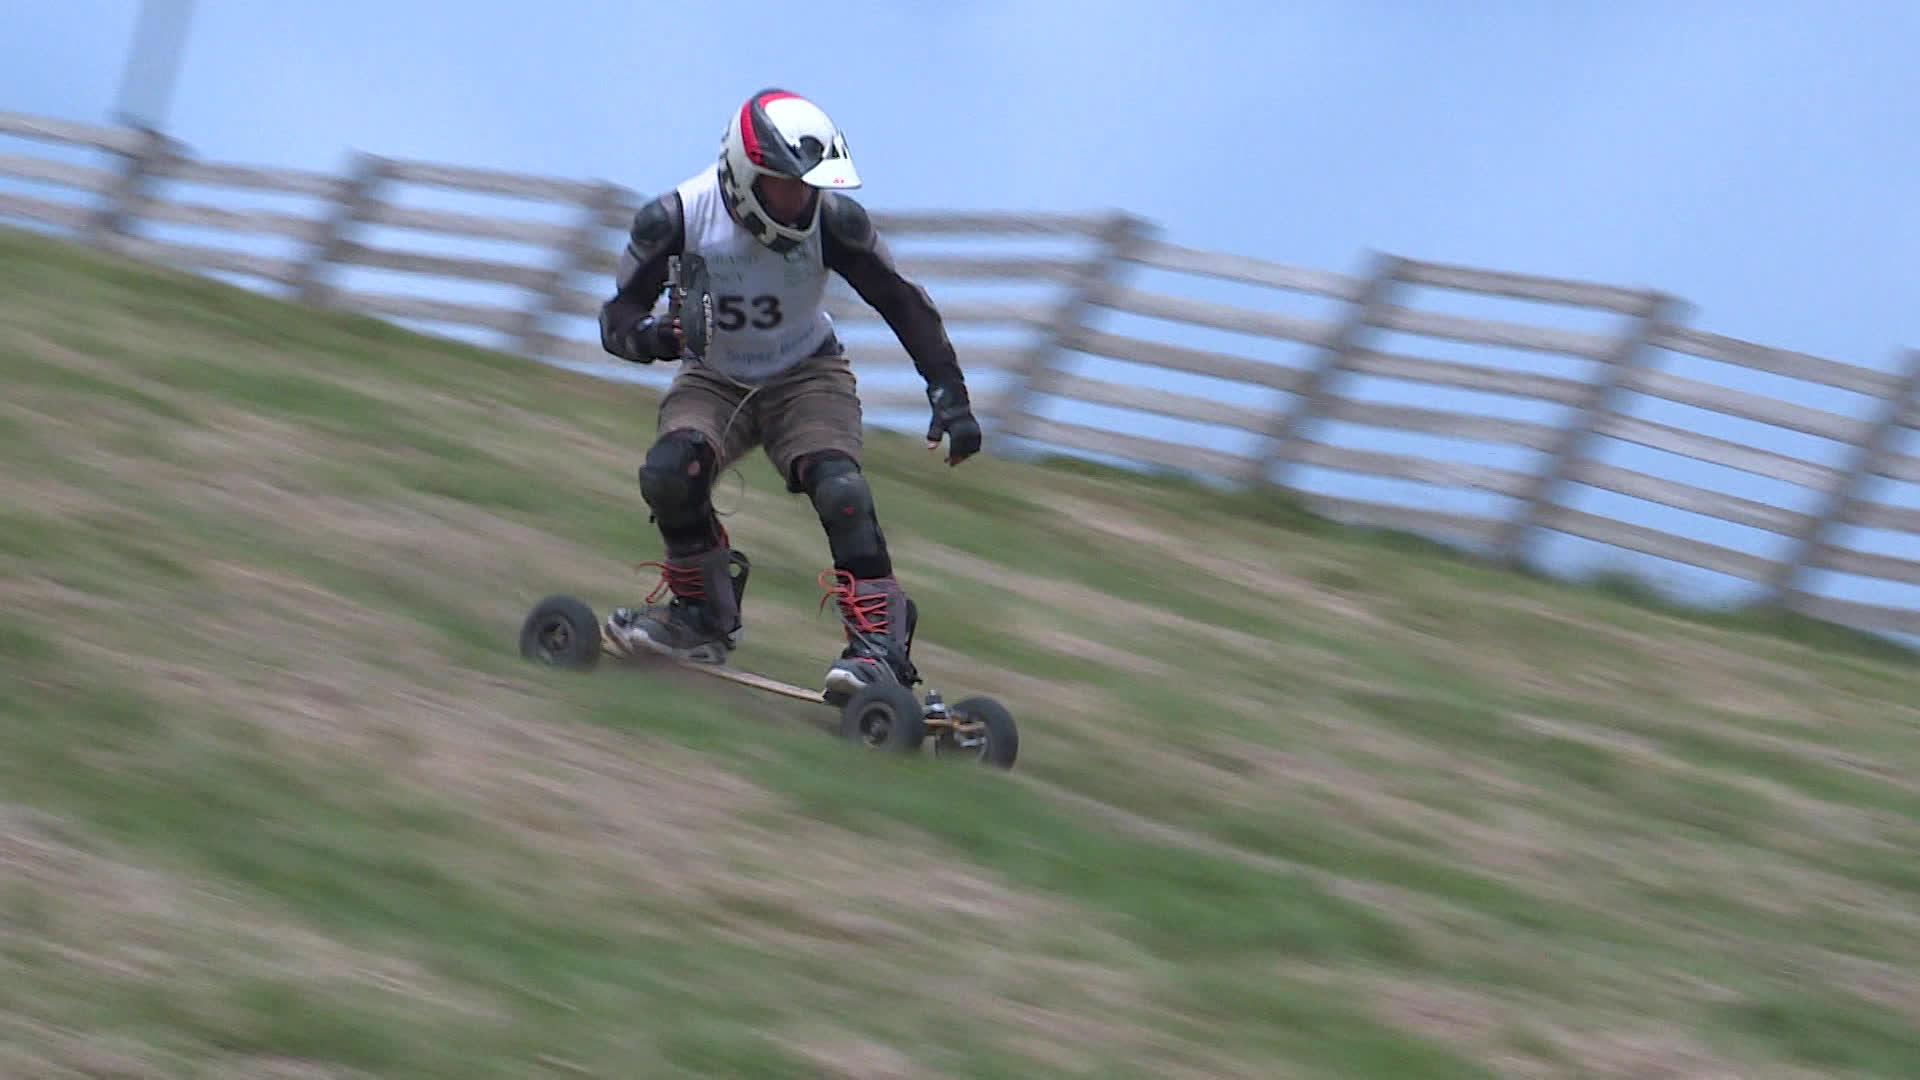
777, 133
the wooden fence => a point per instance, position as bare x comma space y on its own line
1284, 415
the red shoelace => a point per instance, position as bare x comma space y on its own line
683, 581
868, 613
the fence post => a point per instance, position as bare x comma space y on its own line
1311, 397
576, 254
1899, 408
1629, 351
1119, 237
350, 205
122, 201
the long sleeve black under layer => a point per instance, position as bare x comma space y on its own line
659, 230
855, 251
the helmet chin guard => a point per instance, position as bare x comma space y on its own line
690, 297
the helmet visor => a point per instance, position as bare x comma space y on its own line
833, 172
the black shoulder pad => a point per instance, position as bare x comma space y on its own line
846, 222
659, 230
658, 227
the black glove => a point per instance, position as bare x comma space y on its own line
644, 341
953, 417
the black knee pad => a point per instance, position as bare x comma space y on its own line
845, 505
677, 481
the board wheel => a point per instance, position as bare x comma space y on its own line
561, 631
885, 716
983, 731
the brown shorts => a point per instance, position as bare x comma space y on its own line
809, 408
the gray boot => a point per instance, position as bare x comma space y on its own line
702, 621
879, 620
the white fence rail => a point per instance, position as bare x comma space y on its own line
1247, 416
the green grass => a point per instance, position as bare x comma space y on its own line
1830, 1031
1294, 799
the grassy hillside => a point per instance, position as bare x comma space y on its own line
279, 799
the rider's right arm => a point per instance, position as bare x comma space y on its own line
626, 320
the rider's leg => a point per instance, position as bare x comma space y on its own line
813, 434
702, 620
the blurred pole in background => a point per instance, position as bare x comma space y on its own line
153, 63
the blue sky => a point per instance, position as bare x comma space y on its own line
1755, 158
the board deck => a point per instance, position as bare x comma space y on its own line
730, 674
